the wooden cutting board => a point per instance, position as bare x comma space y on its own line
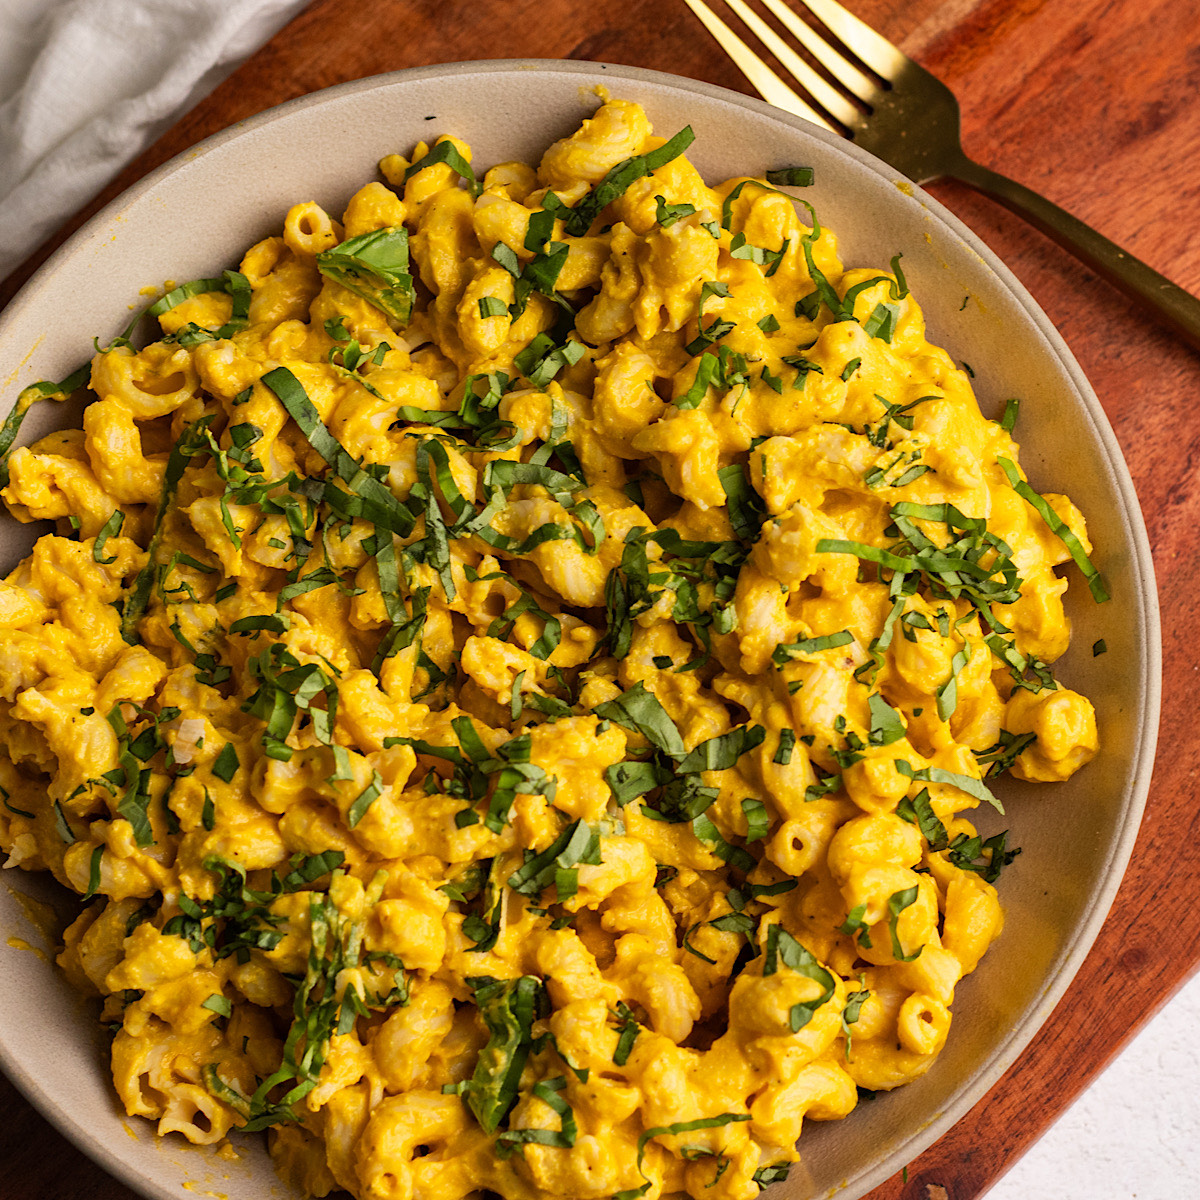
1092, 103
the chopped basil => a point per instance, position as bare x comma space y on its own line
306, 869
784, 653
368, 497
541, 273
952, 570
887, 726
542, 360
1012, 409
775, 1173
446, 152
808, 306
727, 205
965, 853
475, 767
824, 786
734, 922
629, 1030
721, 753
135, 802
911, 474
375, 267
964, 783
93, 873
710, 333
882, 322
508, 1008
919, 811
709, 834
629, 780
322, 1009
783, 947
620, 178
483, 930
233, 283
759, 255
758, 820
706, 371
226, 764
1059, 528
188, 444
787, 742
17, 812
111, 528
262, 622
221, 1005
867, 671
667, 214
746, 509
947, 694
897, 903
365, 799
854, 1003
558, 863
506, 256
546, 1090
1000, 757
687, 945
639, 710
792, 177
26, 399
663, 1130
854, 921
852, 1010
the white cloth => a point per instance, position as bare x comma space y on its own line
86, 85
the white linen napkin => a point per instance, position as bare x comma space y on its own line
86, 85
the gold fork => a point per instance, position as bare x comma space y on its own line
912, 123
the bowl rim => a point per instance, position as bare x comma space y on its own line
1146, 607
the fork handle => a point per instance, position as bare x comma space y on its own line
1177, 309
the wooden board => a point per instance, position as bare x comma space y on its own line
1091, 102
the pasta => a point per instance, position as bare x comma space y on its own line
509, 677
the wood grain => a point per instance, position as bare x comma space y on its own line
1090, 102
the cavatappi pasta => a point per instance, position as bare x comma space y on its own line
509, 677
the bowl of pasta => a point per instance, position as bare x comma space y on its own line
543, 656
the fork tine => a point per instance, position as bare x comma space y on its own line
766, 82
876, 51
847, 74
829, 98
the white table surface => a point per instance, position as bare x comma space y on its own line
1135, 1133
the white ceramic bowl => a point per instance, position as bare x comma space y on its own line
195, 215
